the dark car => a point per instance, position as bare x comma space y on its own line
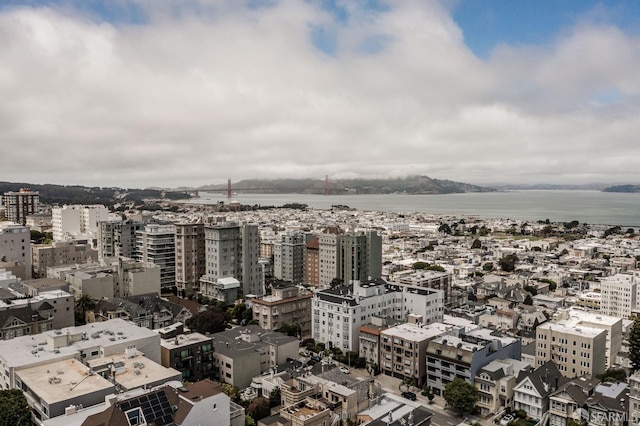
316, 358
409, 395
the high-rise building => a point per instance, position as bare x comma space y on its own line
619, 295
15, 246
233, 251
190, 257
328, 244
577, 351
360, 257
77, 221
156, 244
288, 258
21, 204
312, 262
118, 239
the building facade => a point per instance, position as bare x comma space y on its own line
71, 222
21, 204
15, 246
60, 253
118, 239
288, 305
190, 257
156, 244
288, 257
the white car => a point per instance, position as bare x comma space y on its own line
345, 370
506, 419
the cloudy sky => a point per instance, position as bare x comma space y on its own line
191, 92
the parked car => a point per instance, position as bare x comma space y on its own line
345, 370
506, 420
409, 395
316, 358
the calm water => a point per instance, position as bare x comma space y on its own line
592, 207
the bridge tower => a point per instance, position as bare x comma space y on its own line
228, 188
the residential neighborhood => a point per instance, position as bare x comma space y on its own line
298, 316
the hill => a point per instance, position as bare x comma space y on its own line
408, 185
77, 194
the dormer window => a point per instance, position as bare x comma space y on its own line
135, 417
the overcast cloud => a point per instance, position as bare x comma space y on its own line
192, 95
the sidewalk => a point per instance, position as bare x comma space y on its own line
391, 384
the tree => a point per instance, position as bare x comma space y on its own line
444, 228
259, 408
634, 345
488, 267
476, 244
508, 263
248, 421
420, 265
613, 375
231, 391
83, 305
213, 320
461, 396
14, 409
275, 397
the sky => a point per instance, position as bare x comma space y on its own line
170, 93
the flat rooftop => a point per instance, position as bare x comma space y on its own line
184, 340
27, 350
570, 327
63, 380
418, 334
136, 371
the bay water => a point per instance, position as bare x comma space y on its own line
591, 207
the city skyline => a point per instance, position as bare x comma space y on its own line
168, 93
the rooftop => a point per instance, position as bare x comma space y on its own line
63, 380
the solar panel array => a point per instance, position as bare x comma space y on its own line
155, 406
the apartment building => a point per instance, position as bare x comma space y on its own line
430, 279
118, 239
576, 318
360, 256
312, 262
328, 244
619, 295
122, 278
60, 253
156, 244
575, 350
190, 257
15, 246
288, 257
82, 343
233, 251
245, 352
451, 357
18, 205
403, 350
38, 312
71, 222
191, 354
339, 312
496, 384
287, 305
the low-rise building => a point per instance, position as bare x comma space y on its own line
60, 253
496, 382
245, 352
451, 357
532, 392
287, 305
403, 349
191, 354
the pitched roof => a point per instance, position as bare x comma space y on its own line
546, 378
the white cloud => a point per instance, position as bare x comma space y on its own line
192, 98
